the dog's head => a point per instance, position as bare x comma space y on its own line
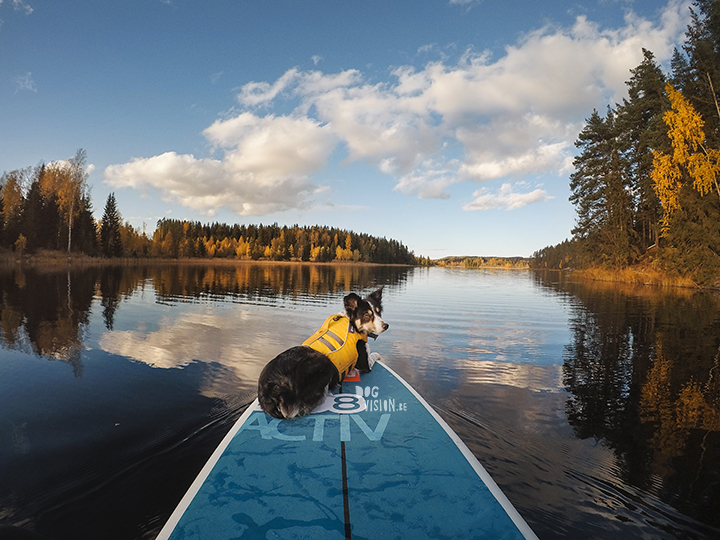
365, 313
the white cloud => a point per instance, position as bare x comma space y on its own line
264, 169
259, 93
429, 181
22, 6
516, 145
505, 198
272, 147
215, 77
316, 83
476, 119
25, 82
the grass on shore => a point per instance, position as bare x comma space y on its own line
53, 260
45, 258
638, 275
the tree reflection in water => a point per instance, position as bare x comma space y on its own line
45, 312
47, 316
642, 369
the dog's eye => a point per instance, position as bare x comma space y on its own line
367, 317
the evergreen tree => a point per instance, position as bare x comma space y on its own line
85, 230
702, 47
640, 125
681, 73
600, 193
33, 226
110, 240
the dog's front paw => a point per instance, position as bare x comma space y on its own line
372, 358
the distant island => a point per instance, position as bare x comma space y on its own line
483, 262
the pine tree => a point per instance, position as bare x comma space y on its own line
110, 240
641, 126
85, 229
600, 193
33, 226
702, 47
681, 72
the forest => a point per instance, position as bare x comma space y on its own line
645, 187
48, 207
173, 238
482, 262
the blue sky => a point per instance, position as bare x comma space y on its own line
447, 125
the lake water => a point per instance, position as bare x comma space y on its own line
596, 408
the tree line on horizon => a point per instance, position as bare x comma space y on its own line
48, 207
482, 262
645, 186
176, 238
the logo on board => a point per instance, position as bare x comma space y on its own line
375, 403
339, 408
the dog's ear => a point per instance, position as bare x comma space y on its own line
351, 302
377, 295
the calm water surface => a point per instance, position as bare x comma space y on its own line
595, 408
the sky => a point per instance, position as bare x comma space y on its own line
448, 125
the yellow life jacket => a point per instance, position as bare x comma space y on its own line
337, 339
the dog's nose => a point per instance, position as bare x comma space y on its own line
385, 326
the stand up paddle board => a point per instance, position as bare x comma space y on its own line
374, 461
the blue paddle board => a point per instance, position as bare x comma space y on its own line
374, 461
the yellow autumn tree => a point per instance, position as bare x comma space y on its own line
690, 155
67, 180
242, 250
12, 198
226, 248
210, 247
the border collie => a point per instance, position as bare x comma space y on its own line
296, 381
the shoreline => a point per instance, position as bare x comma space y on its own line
640, 275
58, 259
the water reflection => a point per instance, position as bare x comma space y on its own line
266, 283
106, 448
45, 313
595, 407
642, 369
47, 317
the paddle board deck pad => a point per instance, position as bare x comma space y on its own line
374, 461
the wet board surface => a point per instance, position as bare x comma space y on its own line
373, 462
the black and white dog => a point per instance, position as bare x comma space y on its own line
296, 381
